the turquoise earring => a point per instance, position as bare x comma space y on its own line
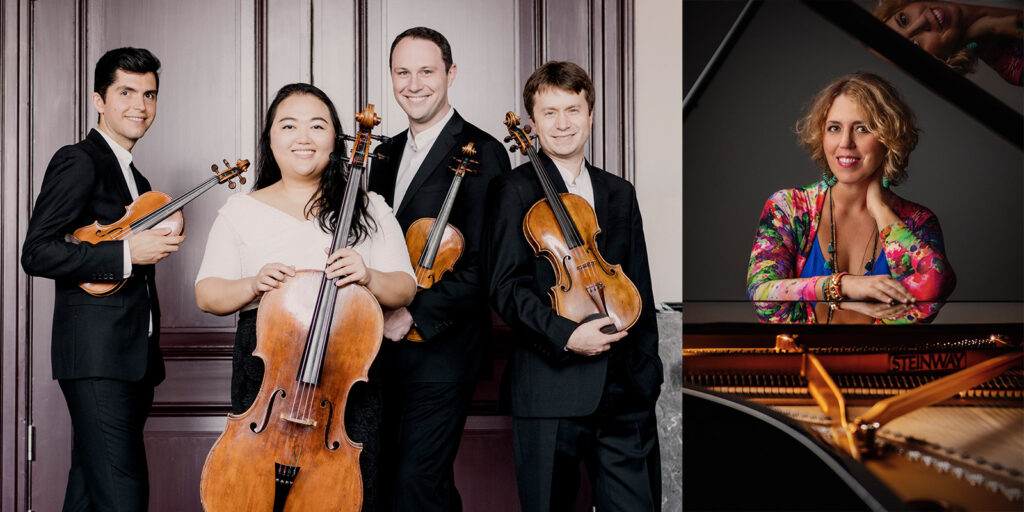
829, 179
885, 182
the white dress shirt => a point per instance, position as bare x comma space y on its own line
579, 185
124, 159
416, 149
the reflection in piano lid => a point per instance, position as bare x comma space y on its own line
965, 453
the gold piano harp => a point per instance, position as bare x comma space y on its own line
938, 423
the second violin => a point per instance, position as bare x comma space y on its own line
435, 245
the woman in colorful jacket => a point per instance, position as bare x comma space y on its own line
849, 237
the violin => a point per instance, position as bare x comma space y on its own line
289, 451
148, 211
434, 245
562, 228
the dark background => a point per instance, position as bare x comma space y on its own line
740, 147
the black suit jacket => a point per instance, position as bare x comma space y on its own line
542, 379
92, 336
453, 314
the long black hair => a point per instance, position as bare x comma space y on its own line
327, 201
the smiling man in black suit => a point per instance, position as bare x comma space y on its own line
575, 392
429, 384
105, 350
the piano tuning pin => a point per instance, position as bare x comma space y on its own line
231, 185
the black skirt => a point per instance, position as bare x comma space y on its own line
362, 414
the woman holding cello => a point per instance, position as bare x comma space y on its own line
259, 240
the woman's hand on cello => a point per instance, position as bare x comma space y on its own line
347, 264
270, 277
879, 288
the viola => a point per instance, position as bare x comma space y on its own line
289, 451
148, 211
562, 228
434, 245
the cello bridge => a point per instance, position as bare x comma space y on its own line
309, 422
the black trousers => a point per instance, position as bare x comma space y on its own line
618, 444
362, 412
108, 459
420, 434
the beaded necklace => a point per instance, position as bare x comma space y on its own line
832, 263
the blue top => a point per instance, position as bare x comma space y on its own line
815, 264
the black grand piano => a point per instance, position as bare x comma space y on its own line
755, 436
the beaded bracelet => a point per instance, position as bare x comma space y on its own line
835, 293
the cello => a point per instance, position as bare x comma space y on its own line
150, 210
289, 450
562, 228
434, 245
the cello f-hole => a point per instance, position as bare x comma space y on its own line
327, 429
266, 415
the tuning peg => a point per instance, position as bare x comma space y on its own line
379, 156
513, 148
384, 139
213, 167
508, 138
226, 163
527, 128
231, 185
474, 162
346, 137
241, 180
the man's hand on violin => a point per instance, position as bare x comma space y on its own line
348, 265
588, 340
397, 323
270, 277
152, 245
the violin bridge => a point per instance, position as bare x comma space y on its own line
309, 422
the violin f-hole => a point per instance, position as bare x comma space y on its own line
568, 275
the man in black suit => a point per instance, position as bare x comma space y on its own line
429, 384
575, 393
105, 350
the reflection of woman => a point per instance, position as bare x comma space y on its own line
848, 237
259, 240
959, 34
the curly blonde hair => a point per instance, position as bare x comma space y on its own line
888, 117
962, 61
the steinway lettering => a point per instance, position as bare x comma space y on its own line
926, 362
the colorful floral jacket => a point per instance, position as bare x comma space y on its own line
788, 226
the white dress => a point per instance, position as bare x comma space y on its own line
249, 233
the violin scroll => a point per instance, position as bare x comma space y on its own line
468, 152
521, 136
230, 173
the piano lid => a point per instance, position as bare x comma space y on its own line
850, 17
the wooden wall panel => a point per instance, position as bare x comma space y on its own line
206, 98
54, 122
483, 37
